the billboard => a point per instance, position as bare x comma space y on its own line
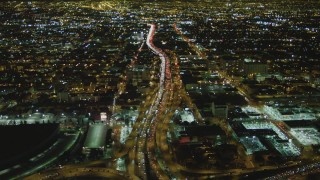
103, 116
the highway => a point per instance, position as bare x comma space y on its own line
163, 58
158, 108
46, 158
77, 171
140, 143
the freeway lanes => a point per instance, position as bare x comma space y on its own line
44, 159
143, 130
164, 88
74, 171
163, 58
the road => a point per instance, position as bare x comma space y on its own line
44, 159
139, 146
76, 171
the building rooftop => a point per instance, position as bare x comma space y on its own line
306, 136
252, 144
187, 116
96, 136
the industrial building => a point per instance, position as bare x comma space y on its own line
251, 67
96, 138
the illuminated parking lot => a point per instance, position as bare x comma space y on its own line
306, 136
252, 144
284, 147
264, 125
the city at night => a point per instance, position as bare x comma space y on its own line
168, 90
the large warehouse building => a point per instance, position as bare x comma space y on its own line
96, 138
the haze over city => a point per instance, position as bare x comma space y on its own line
159, 89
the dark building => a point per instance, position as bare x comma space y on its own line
251, 67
